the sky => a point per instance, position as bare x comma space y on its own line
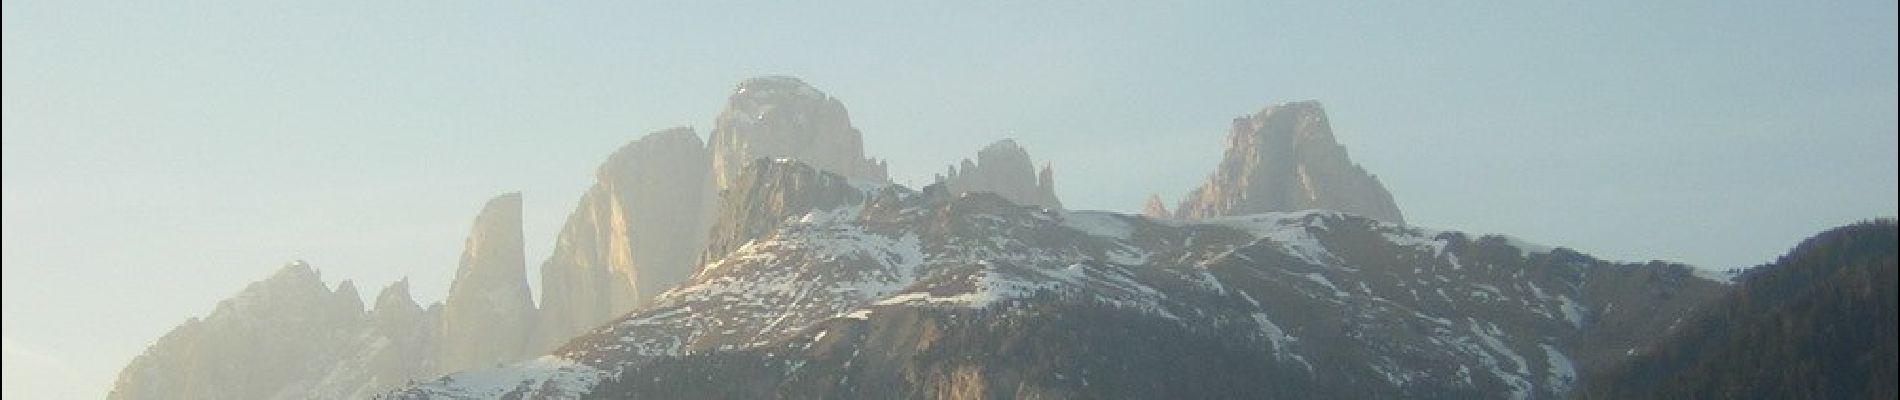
158, 156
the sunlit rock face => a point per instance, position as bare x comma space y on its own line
637, 231
489, 312
782, 117
1285, 159
1005, 169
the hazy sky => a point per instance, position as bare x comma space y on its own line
158, 156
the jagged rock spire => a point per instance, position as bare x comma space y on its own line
636, 232
488, 310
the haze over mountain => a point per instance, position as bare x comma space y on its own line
879, 291
158, 158
980, 285
633, 235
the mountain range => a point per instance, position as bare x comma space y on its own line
775, 259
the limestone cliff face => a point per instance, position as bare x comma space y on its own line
636, 232
1285, 159
768, 192
1005, 169
488, 312
778, 116
646, 221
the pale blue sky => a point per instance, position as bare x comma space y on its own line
157, 157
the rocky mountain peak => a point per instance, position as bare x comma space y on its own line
1006, 145
776, 86
266, 342
347, 298
488, 307
634, 233
296, 284
776, 116
1285, 158
1154, 208
626, 161
395, 298
1004, 168
296, 272
496, 231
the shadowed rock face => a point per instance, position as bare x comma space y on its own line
487, 315
1285, 159
1005, 169
782, 117
637, 231
768, 192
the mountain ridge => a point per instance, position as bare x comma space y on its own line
776, 250
911, 254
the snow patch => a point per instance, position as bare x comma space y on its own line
1282, 342
993, 283
1099, 223
1573, 312
1322, 281
1520, 387
548, 376
1562, 373
1524, 248
1416, 238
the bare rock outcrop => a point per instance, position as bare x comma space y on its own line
636, 232
1154, 208
1285, 159
781, 116
767, 193
489, 312
1004, 168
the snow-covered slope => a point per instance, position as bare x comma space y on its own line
1336, 304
